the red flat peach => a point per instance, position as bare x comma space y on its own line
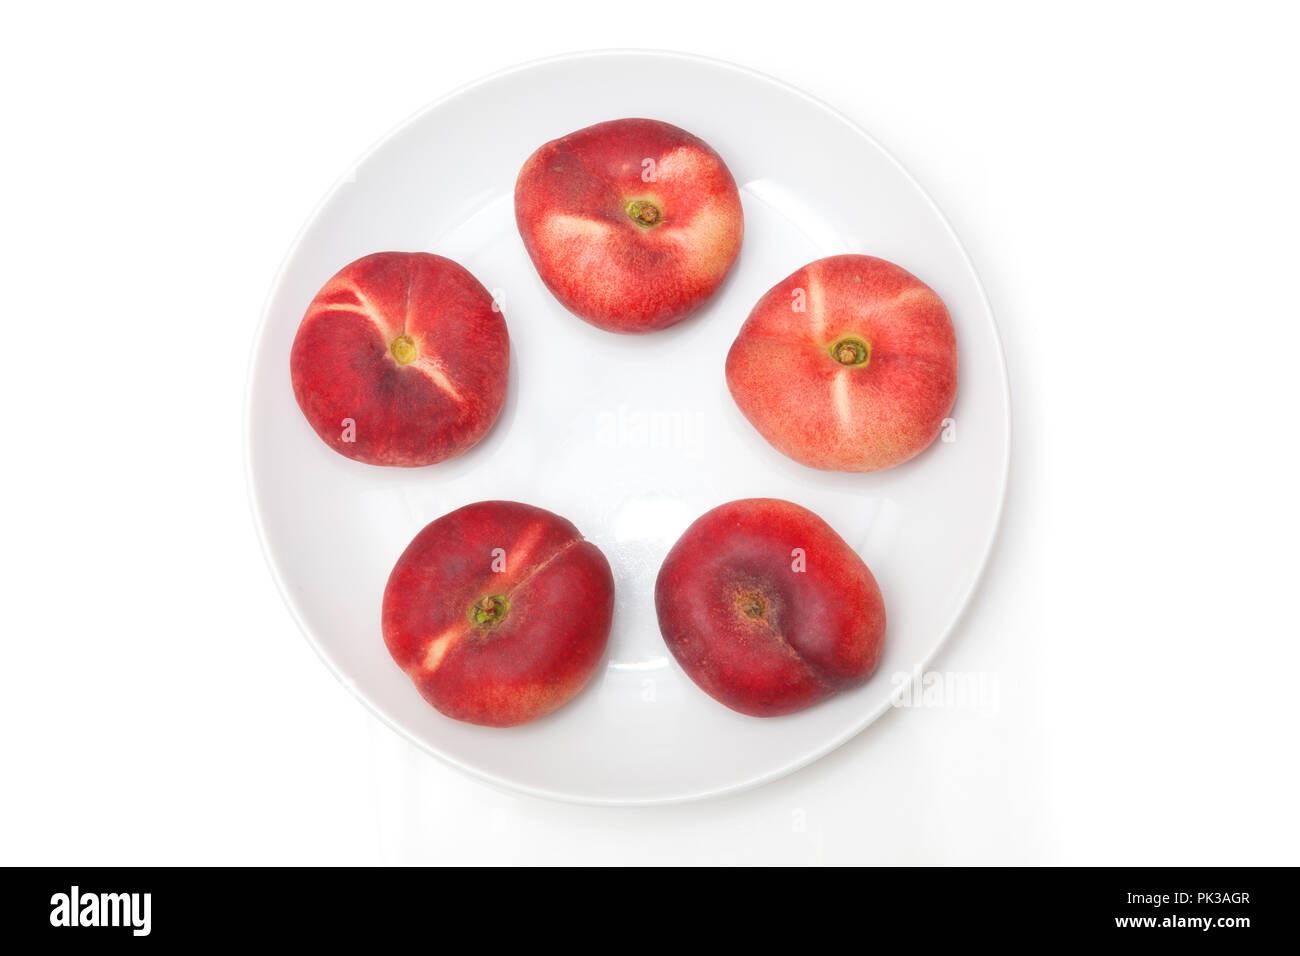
767, 609
499, 612
401, 359
632, 224
849, 364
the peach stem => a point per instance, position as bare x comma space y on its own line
752, 604
490, 611
403, 349
851, 352
643, 213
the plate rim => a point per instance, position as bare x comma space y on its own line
512, 786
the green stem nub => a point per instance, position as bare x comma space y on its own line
490, 611
851, 352
643, 213
403, 349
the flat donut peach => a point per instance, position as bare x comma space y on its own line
849, 364
401, 359
767, 609
632, 224
499, 612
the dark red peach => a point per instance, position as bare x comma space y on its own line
767, 609
401, 359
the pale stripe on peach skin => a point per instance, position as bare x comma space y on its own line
439, 647
366, 304
363, 307
815, 304
430, 366
840, 397
426, 363
707, 241
686, 163
519, 555
565, 227
914, 292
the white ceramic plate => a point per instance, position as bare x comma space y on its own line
630, 437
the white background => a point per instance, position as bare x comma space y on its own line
1125, 179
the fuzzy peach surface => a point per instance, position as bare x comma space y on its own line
789, 381
632, 224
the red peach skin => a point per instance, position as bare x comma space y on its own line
753, 632
861, 380
621, 252
407, 348
498, 647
